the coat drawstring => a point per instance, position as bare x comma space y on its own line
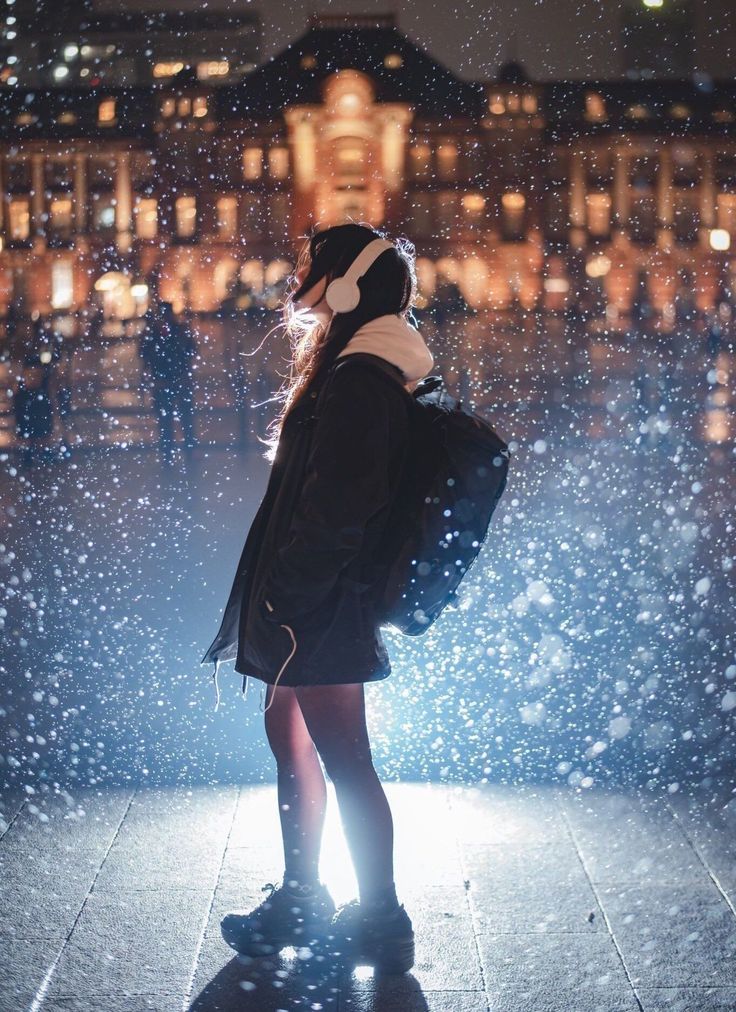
217, 687
283, 666
244, 688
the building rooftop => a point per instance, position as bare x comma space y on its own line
401, 70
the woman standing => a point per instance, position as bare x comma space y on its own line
301, 614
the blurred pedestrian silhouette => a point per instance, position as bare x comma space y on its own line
33, 410
448, 302
167, 350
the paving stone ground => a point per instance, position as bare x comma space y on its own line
526, 899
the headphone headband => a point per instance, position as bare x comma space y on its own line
343, 294
366, 258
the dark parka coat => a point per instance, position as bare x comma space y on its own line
309, 560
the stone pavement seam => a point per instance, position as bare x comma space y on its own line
701, 857
469, 905
45, 983
186, 1000
596, 893
21, 806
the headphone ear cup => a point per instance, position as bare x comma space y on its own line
342, 295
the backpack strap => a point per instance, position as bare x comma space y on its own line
376, 360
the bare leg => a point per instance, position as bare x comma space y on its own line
301, 786
335, 717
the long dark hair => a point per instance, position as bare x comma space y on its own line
388, 286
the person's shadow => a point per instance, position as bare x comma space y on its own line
279, 983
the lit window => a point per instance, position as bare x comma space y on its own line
513, 201
184, 106
168, 108
71, 52
278, 162
308, 62
513, 205
595, 107
598, 213
106, 112
186, 217
447, 160
598, 266
421, 155
496, 104
167, 68
146, 218
723, 116
512, 103
392, 61
637, 111
473, 206
60, 214
66, 118
529, 103
25, 119
213, 68
679, 111
62, 284
61, 72
199, 107
227, 217
252, 163
19, 219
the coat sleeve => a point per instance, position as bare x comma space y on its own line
345, 484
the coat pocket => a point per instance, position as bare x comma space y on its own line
266, 643
333, 638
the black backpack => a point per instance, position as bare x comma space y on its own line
453, 477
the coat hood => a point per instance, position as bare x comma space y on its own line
393, 338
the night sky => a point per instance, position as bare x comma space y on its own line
554, 38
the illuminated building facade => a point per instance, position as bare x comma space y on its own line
509, 188
92, 43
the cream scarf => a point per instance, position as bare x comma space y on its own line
393, 338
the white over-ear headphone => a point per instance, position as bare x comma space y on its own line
343, 294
